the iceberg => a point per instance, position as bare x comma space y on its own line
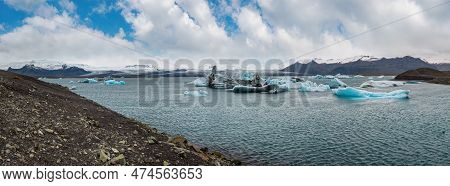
339, 76
353, 93
336, 83
283, 83
88, 81
71, 82
381, 84
200, 82
196, 93
380, 77
73, 88
272, 89
329, 77
358, 76
318, 77
114, 82
310, 86
247, 76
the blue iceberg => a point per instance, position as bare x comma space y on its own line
310, 86
247, 76
114, 82
88, 80
336, 83
196, 93
353, 93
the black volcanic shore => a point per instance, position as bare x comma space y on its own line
426, 74
46, 124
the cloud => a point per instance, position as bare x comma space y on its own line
68, 5
264, 29
2, 27
59, 38
36, 7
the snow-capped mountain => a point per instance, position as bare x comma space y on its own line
44, 64
363, 65
337, 60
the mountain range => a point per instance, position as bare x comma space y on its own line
362, 66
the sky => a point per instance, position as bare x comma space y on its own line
120, 32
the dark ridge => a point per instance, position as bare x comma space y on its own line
383, 66
426, 74
64, 72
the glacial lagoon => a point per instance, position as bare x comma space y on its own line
290, 128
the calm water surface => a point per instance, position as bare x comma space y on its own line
291, 128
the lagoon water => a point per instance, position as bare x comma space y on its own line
291, 128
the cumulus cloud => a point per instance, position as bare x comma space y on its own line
265, 29
68, 5
60, 38
37, 7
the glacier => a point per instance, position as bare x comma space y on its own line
381, 84
196, 93
310, 86
114, 82
353, 93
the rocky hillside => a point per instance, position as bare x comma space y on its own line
46, 124
34, 71
362, 66
426, 74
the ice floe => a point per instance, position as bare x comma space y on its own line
318, 77
336, 83
353, 93
381, 84
200, 82
310, 86
114, 82
196, 93
339, 76
88, 80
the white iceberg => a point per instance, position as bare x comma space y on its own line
318, 77
200, 82
380, 77
336, 83
71, 82
196, 93
353, 93
283, 83
310, 86
381, 84
73, 88
358, 76
339, 76
114, 82
88, 80
329, 77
